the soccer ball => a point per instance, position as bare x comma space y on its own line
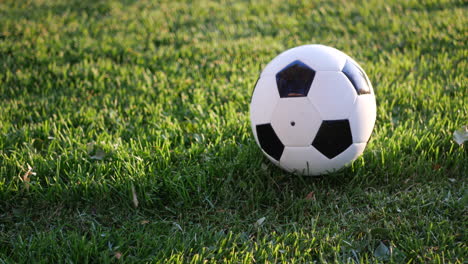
313, 110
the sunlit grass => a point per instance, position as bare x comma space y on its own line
100, 96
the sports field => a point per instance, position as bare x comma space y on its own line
125, 134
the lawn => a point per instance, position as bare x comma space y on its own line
125, 134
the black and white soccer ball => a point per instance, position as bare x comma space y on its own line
313, 110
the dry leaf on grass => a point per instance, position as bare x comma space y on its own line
99, 155
260, 222
310, 196
178, 227
95, 152
382, 251
461, 135
134, 196
27, 177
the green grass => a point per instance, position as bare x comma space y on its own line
100, 97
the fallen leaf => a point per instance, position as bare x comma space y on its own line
432, 249
144, 222
117, 255
310, 196
134, 196
99, 155
382, 251
461, 135
27, 177
260, 221
178, 226
90, 147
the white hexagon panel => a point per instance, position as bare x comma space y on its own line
322, 58
265, 97
362, 118
332, 94
309, 161
295, 121
317, 57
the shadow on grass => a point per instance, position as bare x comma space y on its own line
235, 179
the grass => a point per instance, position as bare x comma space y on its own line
102, 97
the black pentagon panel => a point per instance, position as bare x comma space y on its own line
269, 141
295, 80
333, 137
357, 77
